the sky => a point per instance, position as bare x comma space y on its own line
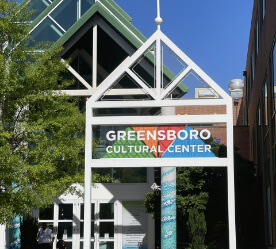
214, 33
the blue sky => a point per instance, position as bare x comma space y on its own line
214, 34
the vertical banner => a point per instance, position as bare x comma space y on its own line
14, 233
168, 207
135, 224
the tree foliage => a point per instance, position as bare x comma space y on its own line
41, 129
191, 201
197, 227
202, 205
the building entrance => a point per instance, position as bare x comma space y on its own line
68, 219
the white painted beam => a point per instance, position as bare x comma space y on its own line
159, 103
175, 83
160, 120
159, 162
95, 56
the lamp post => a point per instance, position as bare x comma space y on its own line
236, 92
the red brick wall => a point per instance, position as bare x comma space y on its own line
203, 110
241, 140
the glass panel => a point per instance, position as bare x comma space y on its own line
265, 115
82, 229
85, 5
68, 245
39, 6
172, 65
65, 212
126, 82
92, 211
66, 14
130, 175
82, 47
46, 213
269, 216
107, 211
65, 228
106, 245
85, 69
47, 31
102, 171
81, 245
111, 55
193, 86
76, 84
263, 7
144, 68
125, 111
80, 55
106, 230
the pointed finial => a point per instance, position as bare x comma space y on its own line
158, 19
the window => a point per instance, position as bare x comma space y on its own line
46, 213
59, 20
80, 55
258, 121
65, 221
262, 10
48, 31
38, 7
92, 221
248, 89
269, 216
65, 14
273, 75
256, 33
273, 93
124, 175
254, 145
265, 108
252, 67
65, 212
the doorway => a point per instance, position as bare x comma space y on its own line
68, 219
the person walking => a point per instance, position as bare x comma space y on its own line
61, 243
45, 237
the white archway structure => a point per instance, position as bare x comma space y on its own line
158, 99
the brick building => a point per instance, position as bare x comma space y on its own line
257, 114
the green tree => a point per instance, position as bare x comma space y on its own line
192, 195
191, 201
197, 227
41, 129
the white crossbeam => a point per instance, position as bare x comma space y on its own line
160, 120
158, 162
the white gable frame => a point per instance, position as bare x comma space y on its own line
159, 100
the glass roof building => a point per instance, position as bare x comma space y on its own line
97, 37
99, 40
